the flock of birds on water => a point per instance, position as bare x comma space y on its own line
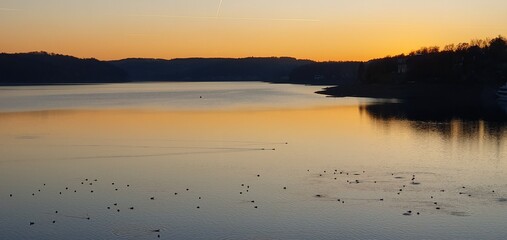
413, 181
115, 206
348, 178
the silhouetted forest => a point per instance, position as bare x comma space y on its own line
457, 82
480, 61
44, 68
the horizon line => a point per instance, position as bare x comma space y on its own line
176, 58
223, 57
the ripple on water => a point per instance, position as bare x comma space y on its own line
137, 231
460, 214
15, 234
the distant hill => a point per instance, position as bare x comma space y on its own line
210, 69
329, 73
40, 68
478, 62
279, 70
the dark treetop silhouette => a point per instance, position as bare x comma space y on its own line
459, 81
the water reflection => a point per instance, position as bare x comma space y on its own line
225, 158
436, 112
451, 123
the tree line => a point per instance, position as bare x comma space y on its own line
480, 61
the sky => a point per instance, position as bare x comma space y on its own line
321, 30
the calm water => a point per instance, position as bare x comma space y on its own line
314, 167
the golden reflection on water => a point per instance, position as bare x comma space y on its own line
325, 133
179, 124
214, 152
168, 129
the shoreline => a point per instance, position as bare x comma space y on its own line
428, 102
413, 91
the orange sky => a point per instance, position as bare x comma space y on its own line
310, 29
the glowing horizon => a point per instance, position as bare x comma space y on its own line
306, 29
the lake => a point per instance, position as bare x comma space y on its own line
241, 161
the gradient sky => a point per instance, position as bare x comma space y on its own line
310, 29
